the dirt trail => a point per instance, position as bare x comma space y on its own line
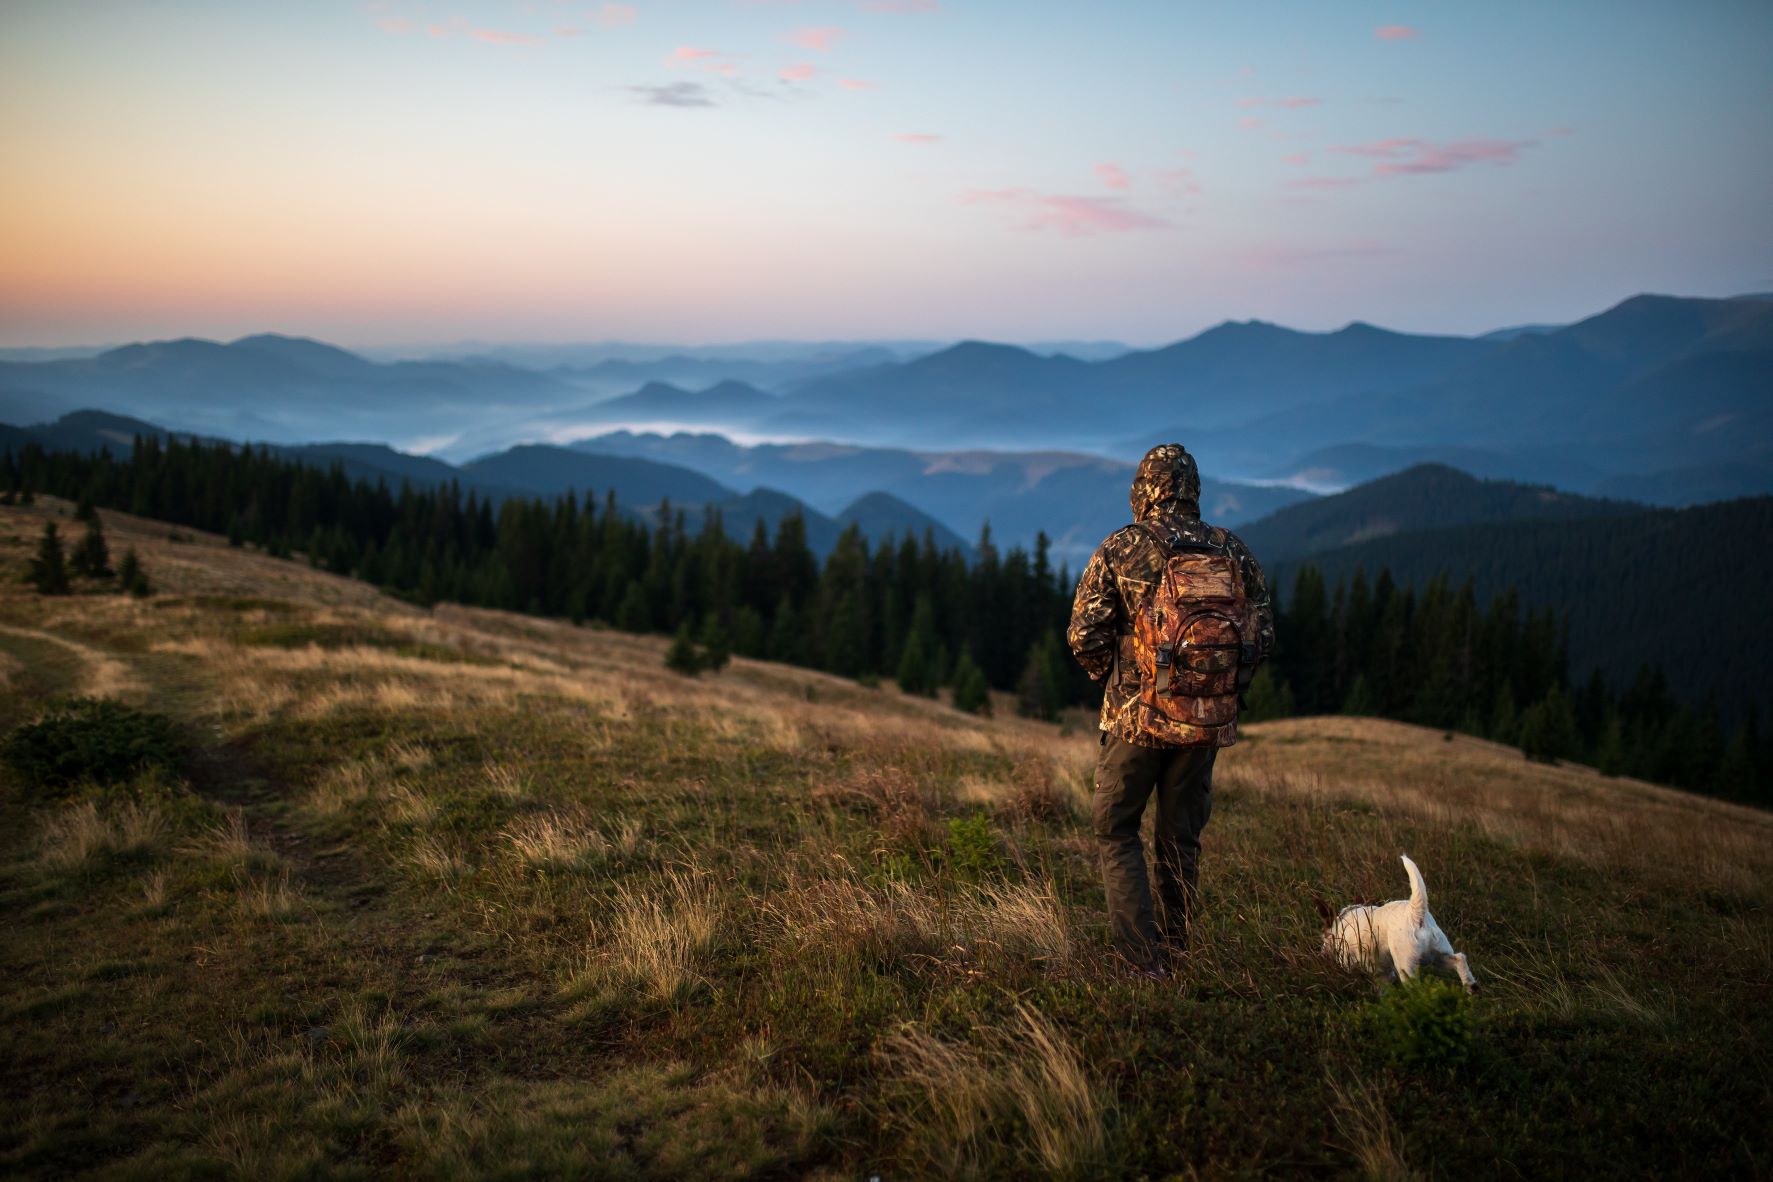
95, 673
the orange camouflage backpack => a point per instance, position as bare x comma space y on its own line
1188, 643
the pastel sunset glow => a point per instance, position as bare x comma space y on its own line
406, 171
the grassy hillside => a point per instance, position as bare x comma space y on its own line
457, 893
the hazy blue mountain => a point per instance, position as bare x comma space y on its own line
1624, 580
1076, 499
273, 388
1343, 465
881, 515
539, 469
723, 404
1518, 330
1428, 496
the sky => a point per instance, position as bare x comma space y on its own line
704, 171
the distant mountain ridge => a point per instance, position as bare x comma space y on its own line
1670, 392
640, 486
1425, 497
1076, 499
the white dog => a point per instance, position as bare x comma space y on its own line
1397, 939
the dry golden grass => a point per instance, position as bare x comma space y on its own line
1023, 1085
654, 934
79, 832
1565, 811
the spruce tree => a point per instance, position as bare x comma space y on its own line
131, 577
971, 694
49, 571
717, 646
91, 557
682, 656
634, 615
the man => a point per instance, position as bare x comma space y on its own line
1173, 616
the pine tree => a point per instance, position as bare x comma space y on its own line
971, 694
1609, 756
913, 674
1269, 696
131, 577
682, 656
634, 615
1040, 688
91, 557
717, 646
49, 571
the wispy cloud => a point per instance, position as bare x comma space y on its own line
1113, 175
1177, 182
1296, 158
918, 137
799, 73
1251, 123
1289, 104
673, 94
1073, 217
901, 5
1405, 157
615, 16
819, 39
1396, 33
856, 84
713, 61
504, 37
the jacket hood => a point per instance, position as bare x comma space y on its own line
1167, 484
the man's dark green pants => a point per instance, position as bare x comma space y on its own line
1126, 777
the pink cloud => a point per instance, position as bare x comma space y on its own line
615, 16
855, 84
819, 39
798, 73
1177, 182
1250, 123
393, 24
501, 37
1113, 175
1296, 158
1395, 33
712, 61
902, 6
1073, 217
918, 137
569, 31
1323, 182
1403, 157
1290, 104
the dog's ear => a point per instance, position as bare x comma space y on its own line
1323, 909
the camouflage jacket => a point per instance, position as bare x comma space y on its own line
1123, 574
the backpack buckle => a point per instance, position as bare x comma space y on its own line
1163, 658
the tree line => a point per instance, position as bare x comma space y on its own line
904, 609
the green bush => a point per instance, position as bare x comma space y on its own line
90, 739
972, 847
1426, 1023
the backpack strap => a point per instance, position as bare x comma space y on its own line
1173, 541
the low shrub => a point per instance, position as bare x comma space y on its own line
1424, 1023
90, 739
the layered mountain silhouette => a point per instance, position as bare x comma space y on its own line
1074, 498
1428, 496
1659, 398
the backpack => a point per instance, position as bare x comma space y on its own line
1189, 642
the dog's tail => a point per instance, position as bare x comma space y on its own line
1418, 893
1323, 909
